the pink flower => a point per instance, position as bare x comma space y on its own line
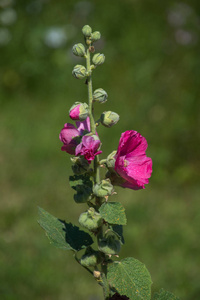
74, 112
131, 163
70, 135
88, 147
79, 111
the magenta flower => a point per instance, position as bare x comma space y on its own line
131, 163
70, 135
88, 147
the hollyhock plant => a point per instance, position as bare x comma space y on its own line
88, 147
128, 167
132, 164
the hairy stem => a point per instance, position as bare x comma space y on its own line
90, 93
91, 116
97, 178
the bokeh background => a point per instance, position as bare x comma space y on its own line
151, 75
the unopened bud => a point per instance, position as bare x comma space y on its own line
109, 245
79, 72
87, 30
109, 118
104, 188
100, 95
78, 50
79, 111
90, 219
110, 161
91, 258
98, 59
95, 36
97, 274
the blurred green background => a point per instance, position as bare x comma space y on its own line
151, 75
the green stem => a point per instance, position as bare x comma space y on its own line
90, 93
91, 116
104, 282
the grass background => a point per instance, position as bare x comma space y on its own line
151, 75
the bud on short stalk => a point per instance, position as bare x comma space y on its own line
79, 50
96, 35
90, 219
109, 118
100, 95
109, 245
104, 188
87, 31
110, 160
91, 258
79, 111
98, 59
79, 72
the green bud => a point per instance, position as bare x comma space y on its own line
109, 245
109, 118
80, 165
95, 36
79, 72
90, 219
91, 258
78, 50
100, 95
104, 188
98, 59
110, 161
87, 31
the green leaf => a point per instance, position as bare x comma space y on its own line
164, 295
82, 184
118, 229
63, 235
131, 278
80, 180
113, 213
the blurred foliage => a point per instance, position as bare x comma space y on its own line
151, 75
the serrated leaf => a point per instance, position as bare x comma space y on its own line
63, 235
113, 213
164, 295
130, 277
82, 184
118, 229
80, 180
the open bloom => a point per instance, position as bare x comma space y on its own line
70, 135
132, 164
88, 147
